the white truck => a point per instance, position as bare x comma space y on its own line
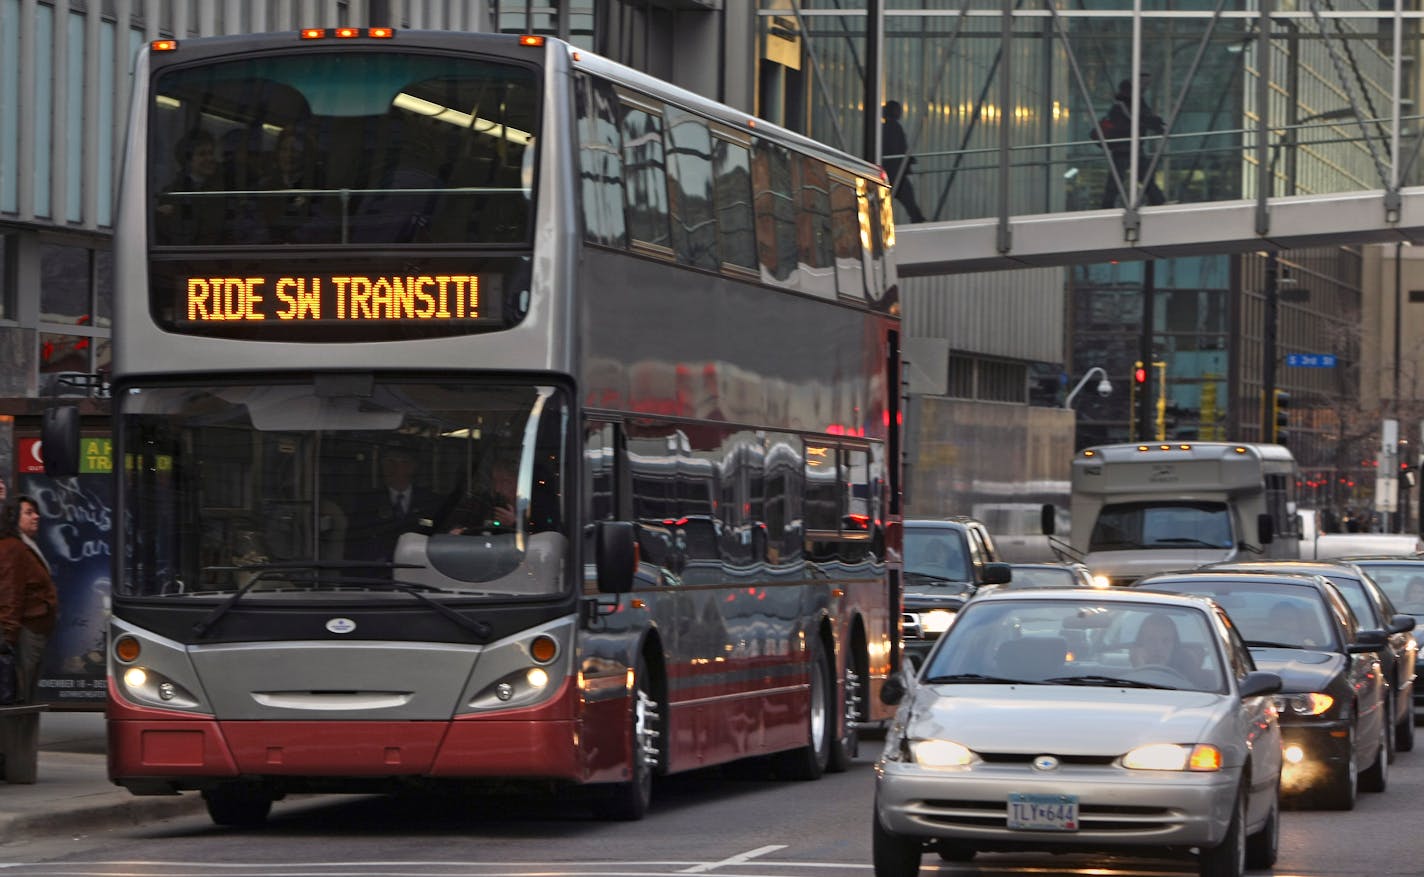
1139, 509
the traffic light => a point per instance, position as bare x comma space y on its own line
1139, 386
1280, 417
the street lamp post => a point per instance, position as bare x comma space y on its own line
1105, 386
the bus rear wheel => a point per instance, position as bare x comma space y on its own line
238, 804
810, 761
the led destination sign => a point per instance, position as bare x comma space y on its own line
332, 298
328, 300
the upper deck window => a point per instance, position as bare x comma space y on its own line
343, 148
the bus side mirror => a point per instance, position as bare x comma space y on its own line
1265, 529
615, 555
59, 441
1048, 519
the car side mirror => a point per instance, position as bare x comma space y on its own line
1401, 624
1265, 529
615, 556
893, 689
1048, 519
1259, 682
997, 574
1368, 641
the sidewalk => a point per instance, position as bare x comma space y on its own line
73, 794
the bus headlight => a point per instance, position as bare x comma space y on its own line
146, 685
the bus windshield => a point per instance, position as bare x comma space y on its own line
1132, 525
343, 147
340, 483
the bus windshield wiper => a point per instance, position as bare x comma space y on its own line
265, 571
1186, 540
1106, 681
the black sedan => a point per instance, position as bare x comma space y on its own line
1375, 612
1332, 692
1401, 577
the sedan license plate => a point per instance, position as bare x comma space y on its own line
1043, 812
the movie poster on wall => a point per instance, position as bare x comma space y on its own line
76, 523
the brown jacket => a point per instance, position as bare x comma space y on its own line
27, 593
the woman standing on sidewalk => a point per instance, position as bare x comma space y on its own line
28, 601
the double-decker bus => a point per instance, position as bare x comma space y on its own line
489, 411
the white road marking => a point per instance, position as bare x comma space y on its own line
740, 858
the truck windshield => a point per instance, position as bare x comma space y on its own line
340, 483
936, 554
1134, 525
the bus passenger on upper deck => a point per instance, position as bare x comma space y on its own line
187, 215
286, 204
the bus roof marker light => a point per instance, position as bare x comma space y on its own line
533, 40
313, 33
163, 45
381, 33
346, 33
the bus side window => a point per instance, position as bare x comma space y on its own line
813, 227
645, 185
736, 231
845, 235
601, 164
775, 213
694, 225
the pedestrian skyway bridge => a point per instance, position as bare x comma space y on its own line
1053, 132
931, 248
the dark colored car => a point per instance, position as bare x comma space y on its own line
1332, 698
1375, 611
945, 562
1402, 580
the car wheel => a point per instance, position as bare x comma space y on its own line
1404, 731
238, 804
1263, 846
809, 762
954, 852
1342, 784
629, 801
1375, 778
894, 855
1228, 858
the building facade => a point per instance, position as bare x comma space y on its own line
1004, 108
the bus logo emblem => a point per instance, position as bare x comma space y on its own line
341, 625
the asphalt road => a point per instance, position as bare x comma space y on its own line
706, 823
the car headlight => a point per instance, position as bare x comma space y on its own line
1311, 704
941, 753
936, 620
1174, 756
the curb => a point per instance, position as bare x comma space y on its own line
84, 819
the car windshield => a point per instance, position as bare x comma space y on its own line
1080, 642
1403, 582
937, 554
1133, 525
342, 483
1266, 615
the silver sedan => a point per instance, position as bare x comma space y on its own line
1081, 721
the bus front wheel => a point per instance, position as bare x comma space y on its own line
238, 804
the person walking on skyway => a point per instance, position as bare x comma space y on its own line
896, 159
1115, 131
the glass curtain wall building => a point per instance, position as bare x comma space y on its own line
1017, 107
